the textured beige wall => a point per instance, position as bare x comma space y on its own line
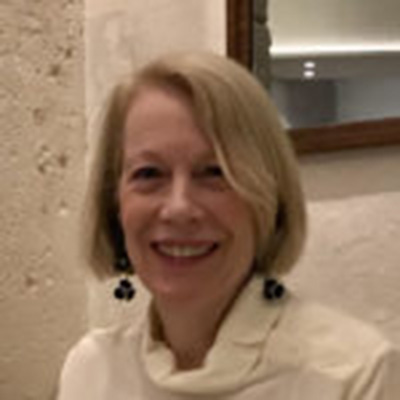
122, 35
41, 162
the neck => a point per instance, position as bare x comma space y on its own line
189, 330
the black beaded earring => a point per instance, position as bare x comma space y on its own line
122, 264
273, 290
125, 289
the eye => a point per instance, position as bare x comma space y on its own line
212, 171
145, 173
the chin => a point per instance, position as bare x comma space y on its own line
182, 292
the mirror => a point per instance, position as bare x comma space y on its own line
330, 100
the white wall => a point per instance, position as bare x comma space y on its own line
123, 35
351, 261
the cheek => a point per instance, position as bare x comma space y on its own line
135, 238
133, 219
242, 248
239, 219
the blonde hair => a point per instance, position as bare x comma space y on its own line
243, 125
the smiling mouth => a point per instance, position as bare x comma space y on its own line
184, 251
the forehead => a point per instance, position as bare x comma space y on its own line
163, 120
152, 102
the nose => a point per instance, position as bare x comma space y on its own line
181, 203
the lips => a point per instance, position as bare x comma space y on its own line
184, 251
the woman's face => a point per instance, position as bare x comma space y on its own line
188, 234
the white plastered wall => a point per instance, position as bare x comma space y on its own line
41, 161
352, 257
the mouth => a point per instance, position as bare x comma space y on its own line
184, 251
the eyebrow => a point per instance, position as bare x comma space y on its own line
146, 155
150, 155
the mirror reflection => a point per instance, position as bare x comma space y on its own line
314, 90
333, 62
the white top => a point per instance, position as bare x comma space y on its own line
284, 350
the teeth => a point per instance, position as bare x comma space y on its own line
184, 251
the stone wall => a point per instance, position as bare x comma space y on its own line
41, 168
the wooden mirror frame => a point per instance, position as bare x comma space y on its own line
374, 133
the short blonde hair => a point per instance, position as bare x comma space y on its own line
244, 127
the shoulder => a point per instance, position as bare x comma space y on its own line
329, 333
99, 344
92, 346
338, 347
99, 357
314, 318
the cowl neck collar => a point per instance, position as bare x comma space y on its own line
232, 361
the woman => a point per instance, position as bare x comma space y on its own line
196, 189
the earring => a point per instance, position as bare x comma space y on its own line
273, 290
125, 289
